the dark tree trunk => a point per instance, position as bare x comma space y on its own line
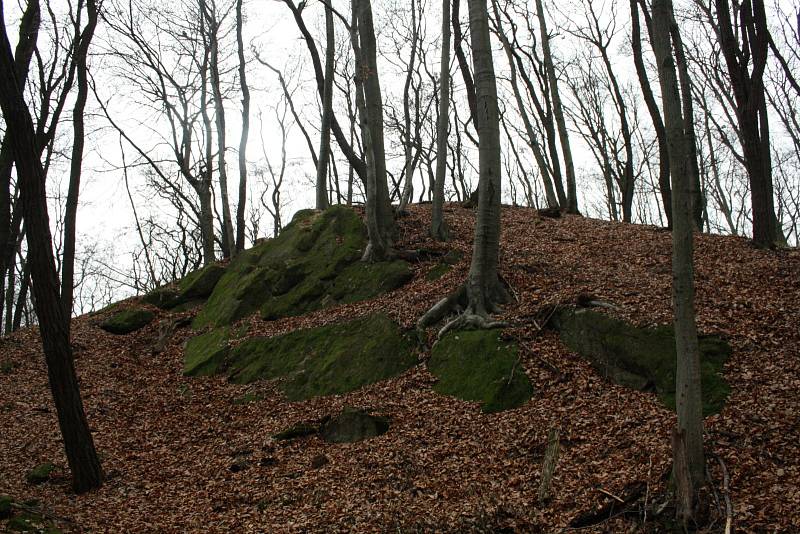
76, 161
242, 201
439, 230
53, 321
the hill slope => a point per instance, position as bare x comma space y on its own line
198, 454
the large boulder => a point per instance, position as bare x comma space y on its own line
478, 365
195, 286
641, 358
313, 263
327, 360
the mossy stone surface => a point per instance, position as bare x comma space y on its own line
299, 430
312, 264
127, 321
205, 354
641, 358
192, 288
40, 473
477, 365
327, 360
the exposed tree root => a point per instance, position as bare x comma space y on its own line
470, 321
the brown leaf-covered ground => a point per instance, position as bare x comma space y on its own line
168, 442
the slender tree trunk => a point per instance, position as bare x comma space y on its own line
652, 108
327, 111
410, 159
53, 322
228, 242
687, 380
76, 161
241, 207
439, 230
558, 111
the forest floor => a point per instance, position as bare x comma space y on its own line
168, 443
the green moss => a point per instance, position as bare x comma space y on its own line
438, 271
163, 297
205, 354
6, 509
353, 425
128, 321
478, 366
312, 264
200, 284
327, 360
247, 398
642, 358
40, 473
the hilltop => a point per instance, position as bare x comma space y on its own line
200, 453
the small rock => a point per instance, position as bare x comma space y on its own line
267, 461
319, 460
239, 465
6, 503
353, 425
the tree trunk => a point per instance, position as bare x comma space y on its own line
558, 111
242, 205
380, 219
652, 108
748, 89
687, 380
76, 160
327, 110
439, 230
78, 442
483, 286
228, 242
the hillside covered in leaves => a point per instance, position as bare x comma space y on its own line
196, 433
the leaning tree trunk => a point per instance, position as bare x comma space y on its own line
439, 230
53, 321
687, 380
327, 110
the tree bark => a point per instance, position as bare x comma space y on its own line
76, 160
483, 286
78, 443
380, 219
327, 110
687, 380
558, 111
439, 230
242, 204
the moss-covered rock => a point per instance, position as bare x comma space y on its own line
205, 354
127, 321
327, 360
40, 473
300, 430
477, 365
313, 263
353, 425
191, 289
641, 358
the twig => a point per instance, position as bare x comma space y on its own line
727, 497
606, 492
647, 489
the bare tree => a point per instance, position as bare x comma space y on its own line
53, 320
439, 228
688, 442
245, 89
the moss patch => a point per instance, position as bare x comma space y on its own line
5, 506
327, 360
642, 358
128, 321
312, 264
40, 473
478, 366
353, 425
